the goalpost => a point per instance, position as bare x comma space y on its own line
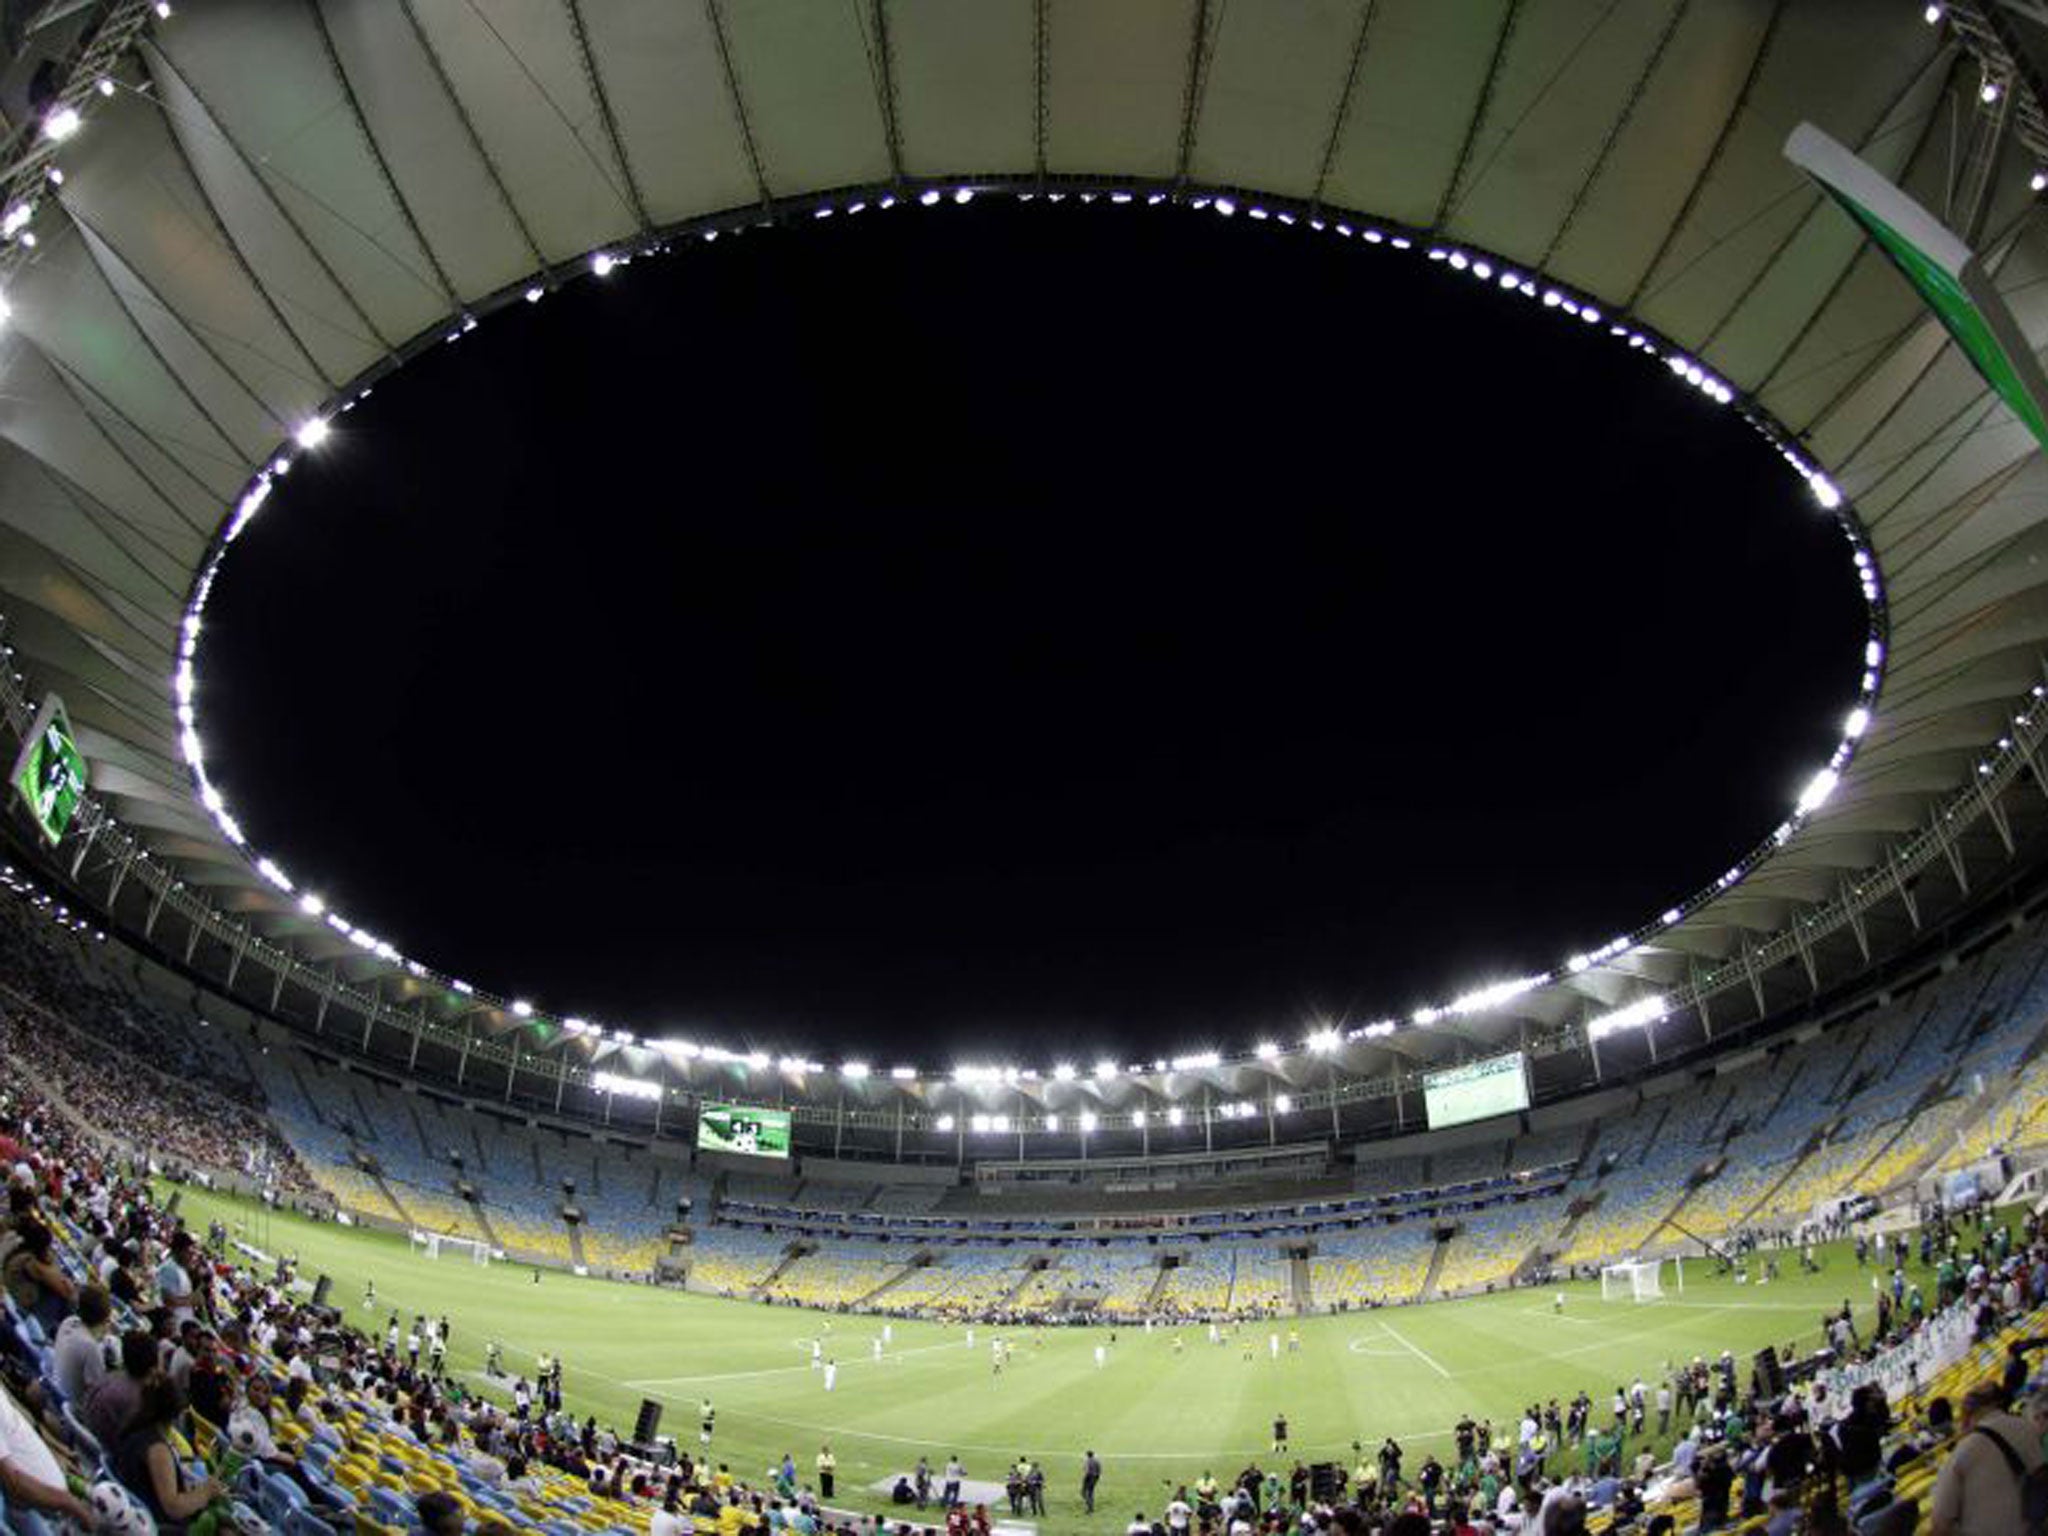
1638, 1279
432, 1244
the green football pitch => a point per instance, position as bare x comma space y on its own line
1157, 1415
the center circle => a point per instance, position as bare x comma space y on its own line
1022, 615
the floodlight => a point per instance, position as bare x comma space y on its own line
62, 123
1268, 1050
1087, 1121
945, 1122
1857, 723
312, 432
1063, 1072
1174, 1116
903, 1074
1105, 1069
603, 262
1818, 789
854, 1071
522, 1008
1282, 1104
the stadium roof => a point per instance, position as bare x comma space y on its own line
270, 203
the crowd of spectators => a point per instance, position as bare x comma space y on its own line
202, 1380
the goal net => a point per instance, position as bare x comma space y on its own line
434, 1244
1635, 1280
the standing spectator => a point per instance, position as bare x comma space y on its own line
1091, 1474
1979, 1490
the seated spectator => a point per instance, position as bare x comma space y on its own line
144, 1463
30, 1474
439, 1514
34, 1279
112, 1403
81, 1347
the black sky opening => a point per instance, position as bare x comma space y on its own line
963, 632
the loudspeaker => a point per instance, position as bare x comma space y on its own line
320, 1289
648, 1424
1766, 1376
1325, 1482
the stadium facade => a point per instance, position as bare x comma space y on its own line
227, 220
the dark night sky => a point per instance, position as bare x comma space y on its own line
903, 634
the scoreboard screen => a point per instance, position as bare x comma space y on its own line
1478, 1090
49, 775
744, 1129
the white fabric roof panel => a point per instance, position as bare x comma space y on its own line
299, 190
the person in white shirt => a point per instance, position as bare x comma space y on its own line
669, 1520
174, 1281
1139, 1525
80, 1345
30, 1474
831, 1374
1179, 1513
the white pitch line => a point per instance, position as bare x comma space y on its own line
802, 1369
1418, 1354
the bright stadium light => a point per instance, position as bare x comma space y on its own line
1282, 1103
1063, 1072
1138, 1118
945, 1122
1087, 1121
903, 1074
1324, 1041
626, 1087
1174, 1115
522, 1008
1105, 1069
1857, 723
1052, 1122
854, 1071
312, 432
603, 262
311, 905
1818, 789
1268, 1051
62, 123
1636, 1015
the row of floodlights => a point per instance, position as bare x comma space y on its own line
60, 124
1989, 89
316, 430
49, 908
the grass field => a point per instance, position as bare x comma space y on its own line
1153, 1415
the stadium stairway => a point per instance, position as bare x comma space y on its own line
1435, 1271
432, 1153
576, 1256
1792, 1166
391, 1197
790, 1255
1158, 1290
1303, 1287
1028, 1270
919, 1260
483, 1221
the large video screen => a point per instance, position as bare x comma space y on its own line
50, 773
744, 1129
1476, 1091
